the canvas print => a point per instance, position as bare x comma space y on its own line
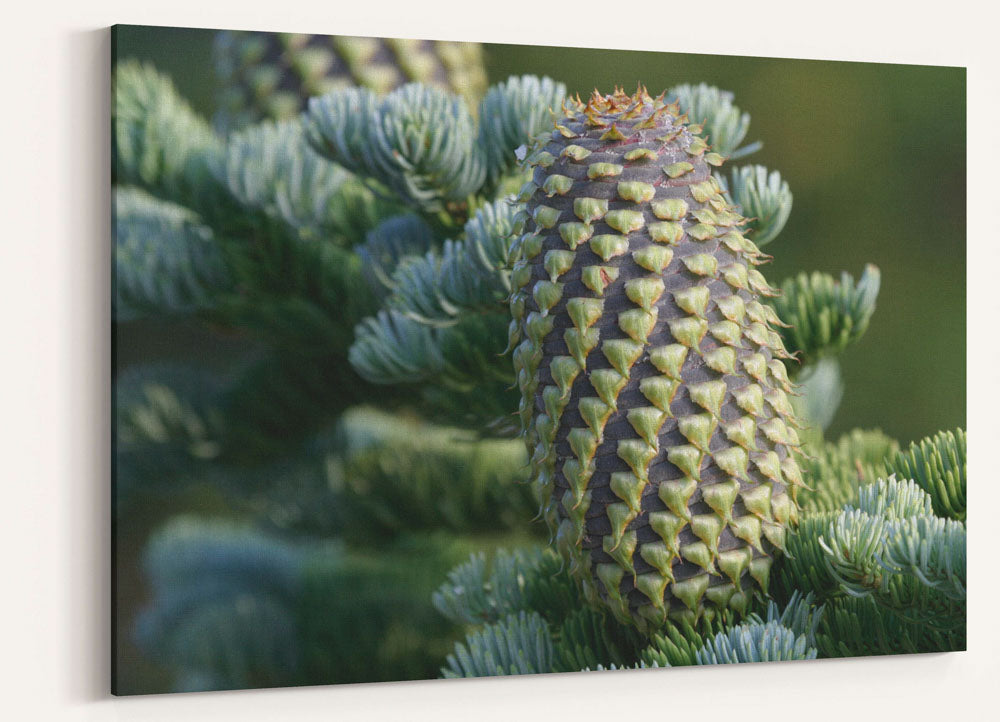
438, 359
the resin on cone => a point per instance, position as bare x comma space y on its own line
654, 401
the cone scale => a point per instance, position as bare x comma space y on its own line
654, 402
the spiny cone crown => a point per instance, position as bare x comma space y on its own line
654, 402
272, 75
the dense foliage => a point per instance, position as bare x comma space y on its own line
365, 254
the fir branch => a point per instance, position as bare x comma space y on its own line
338, 124
270, 169
800, 615
236, 607
725, 125
804, 566
390, 243
615, 668
835, 471
894, 499
755, 640
391, 348
466, 276
279, 213
589, 638
853, 626
824, 315
853, 542
166, 262
519, 644
476, 591
764, 198
463, 376
366, 615
418, 141
768, 642
551, 590
298, 294
511, 115
888, 548
158, 142
674, 646
938, 465
167, 426
222, 609
394, 475
930, 549
535, 581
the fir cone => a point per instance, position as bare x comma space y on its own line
272, 75
654, 399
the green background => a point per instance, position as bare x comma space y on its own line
874, 154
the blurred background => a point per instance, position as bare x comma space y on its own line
875, 157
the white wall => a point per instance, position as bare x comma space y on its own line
54, 363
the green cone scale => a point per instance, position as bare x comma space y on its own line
654, 402
272, 75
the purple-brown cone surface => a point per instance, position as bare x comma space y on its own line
654, 402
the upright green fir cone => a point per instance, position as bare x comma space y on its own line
654, 402
272, 75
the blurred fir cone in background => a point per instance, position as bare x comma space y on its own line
272, 75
